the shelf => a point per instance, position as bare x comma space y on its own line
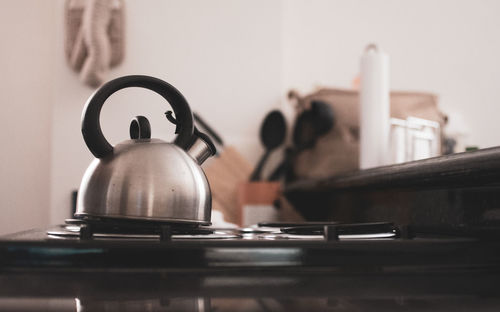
468, 169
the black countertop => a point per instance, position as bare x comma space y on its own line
250, 290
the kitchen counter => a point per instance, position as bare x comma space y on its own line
453, 190
414, 273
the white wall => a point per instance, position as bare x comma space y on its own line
223, 55
25, 112
450, 47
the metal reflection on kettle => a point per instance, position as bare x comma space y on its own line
144, 178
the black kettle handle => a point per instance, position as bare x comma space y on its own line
91, 127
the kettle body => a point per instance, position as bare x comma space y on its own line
142, 178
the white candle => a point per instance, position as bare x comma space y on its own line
374, 108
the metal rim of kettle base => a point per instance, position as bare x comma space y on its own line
85, 215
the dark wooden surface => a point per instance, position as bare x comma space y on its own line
476, 168
461, 188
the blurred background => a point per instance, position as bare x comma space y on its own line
234, 61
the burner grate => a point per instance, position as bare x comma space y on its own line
88, 227
94, 228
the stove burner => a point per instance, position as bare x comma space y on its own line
348, 231
90, 228
329, 231
93, 228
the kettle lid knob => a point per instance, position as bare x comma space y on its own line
140, 128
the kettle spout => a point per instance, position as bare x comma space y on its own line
202, 148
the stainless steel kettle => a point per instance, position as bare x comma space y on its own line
144, 178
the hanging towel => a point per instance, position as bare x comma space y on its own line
94, 37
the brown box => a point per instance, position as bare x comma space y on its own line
257, 196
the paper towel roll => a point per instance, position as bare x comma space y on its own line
374, 108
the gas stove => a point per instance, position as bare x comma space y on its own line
114, 265
116, 244
109, 229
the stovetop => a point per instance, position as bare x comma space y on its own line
282, 267
380, 245
114, 230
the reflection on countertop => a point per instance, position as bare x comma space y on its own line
249, 290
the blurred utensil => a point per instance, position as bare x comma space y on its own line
282, 167
309, 126
272, 135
